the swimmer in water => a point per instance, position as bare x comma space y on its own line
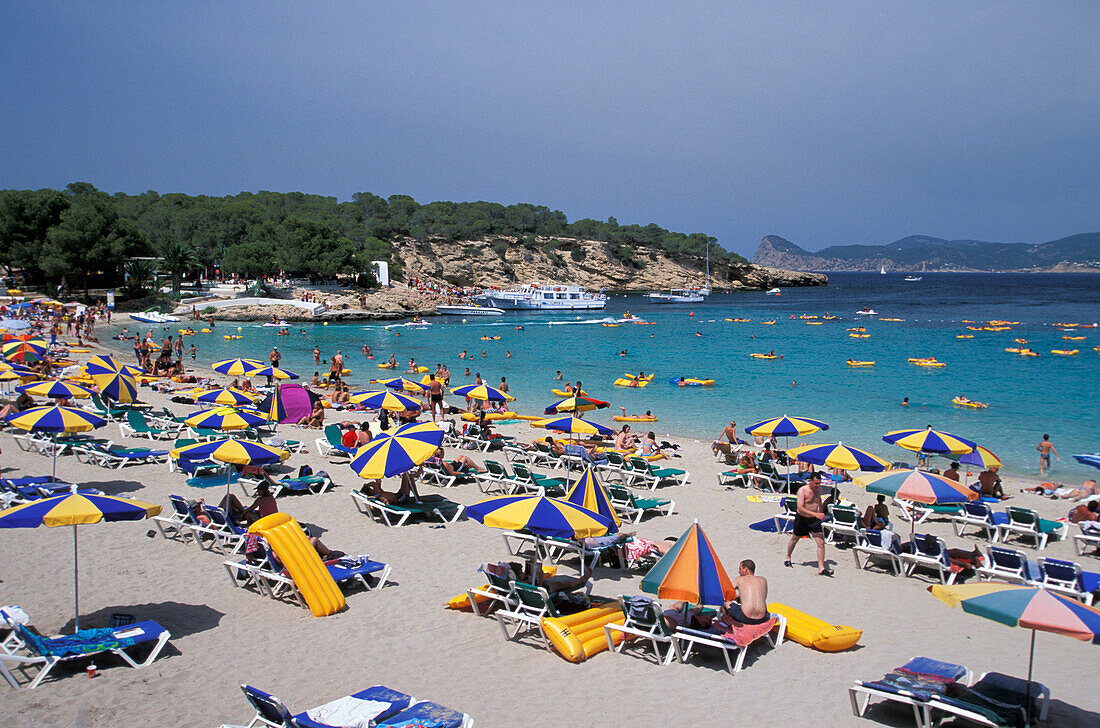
905, 402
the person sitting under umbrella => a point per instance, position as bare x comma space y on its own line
990, 484
264, 505
405, 493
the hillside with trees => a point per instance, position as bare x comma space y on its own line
83, 237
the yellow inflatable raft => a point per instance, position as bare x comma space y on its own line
965, 336
969, 403
634, 418
386, 365
859, 336
815, 633
932, 364
1064, 352
639, 383
768, 323
578, 636
563, 393
854, 363
229, 337
491, 417
1073, 338
764, 356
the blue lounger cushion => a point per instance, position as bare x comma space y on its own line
379, 693
340, 572
425, 714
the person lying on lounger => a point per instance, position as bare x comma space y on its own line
457, 467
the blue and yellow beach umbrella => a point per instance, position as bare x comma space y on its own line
118, 386
56, 420
786, 427
225, 418
229, 396
483, 393
394, 453
56, 389
839, 456
930, 441
75, 509
231, 450
691, 571
237, 367
400, 384
273, 372
385, 399
107, 364
573, 425
588, 492
541, 516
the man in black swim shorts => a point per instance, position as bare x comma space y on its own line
807, 522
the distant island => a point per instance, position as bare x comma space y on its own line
1074, 254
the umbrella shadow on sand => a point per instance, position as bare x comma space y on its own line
113, 487
178, 618
1062, 713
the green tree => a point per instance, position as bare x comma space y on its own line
25, 218
90, 236
178, 258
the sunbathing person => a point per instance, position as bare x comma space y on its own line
746, 464
751, 605
1087, 489
625, 439
406, 493
457, 467
264, 505
650, 450
315, 419
877, 516
1085, 512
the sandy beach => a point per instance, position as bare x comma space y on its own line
403, 637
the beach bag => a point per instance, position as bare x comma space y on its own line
638, 608
304, 471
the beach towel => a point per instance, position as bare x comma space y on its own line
349, 712
743, 635
86, 641
768, 498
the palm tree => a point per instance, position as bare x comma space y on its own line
179, 258
139, 273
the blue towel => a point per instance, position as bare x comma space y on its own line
84, 642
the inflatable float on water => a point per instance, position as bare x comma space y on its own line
634, 418
964, 336
859, 336
959, 402
766, 356
563, 393
929, 361
855, 363
691, 381
1021, 352
1064, 352
633, 380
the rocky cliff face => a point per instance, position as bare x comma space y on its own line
587, 263
778, 252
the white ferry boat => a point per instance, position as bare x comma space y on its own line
676, 295
469, 310
544, 297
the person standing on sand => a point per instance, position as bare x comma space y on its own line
807, 522
1045, 448
435, 395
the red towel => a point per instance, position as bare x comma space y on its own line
744, 635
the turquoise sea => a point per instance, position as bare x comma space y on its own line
1027, 396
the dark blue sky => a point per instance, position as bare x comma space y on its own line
821, 122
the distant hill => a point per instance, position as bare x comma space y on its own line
1077, 253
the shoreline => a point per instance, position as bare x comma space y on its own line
201, 368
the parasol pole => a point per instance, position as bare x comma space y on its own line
1030, 662
76, 580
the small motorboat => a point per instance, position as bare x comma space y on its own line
154, 317
773, 292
